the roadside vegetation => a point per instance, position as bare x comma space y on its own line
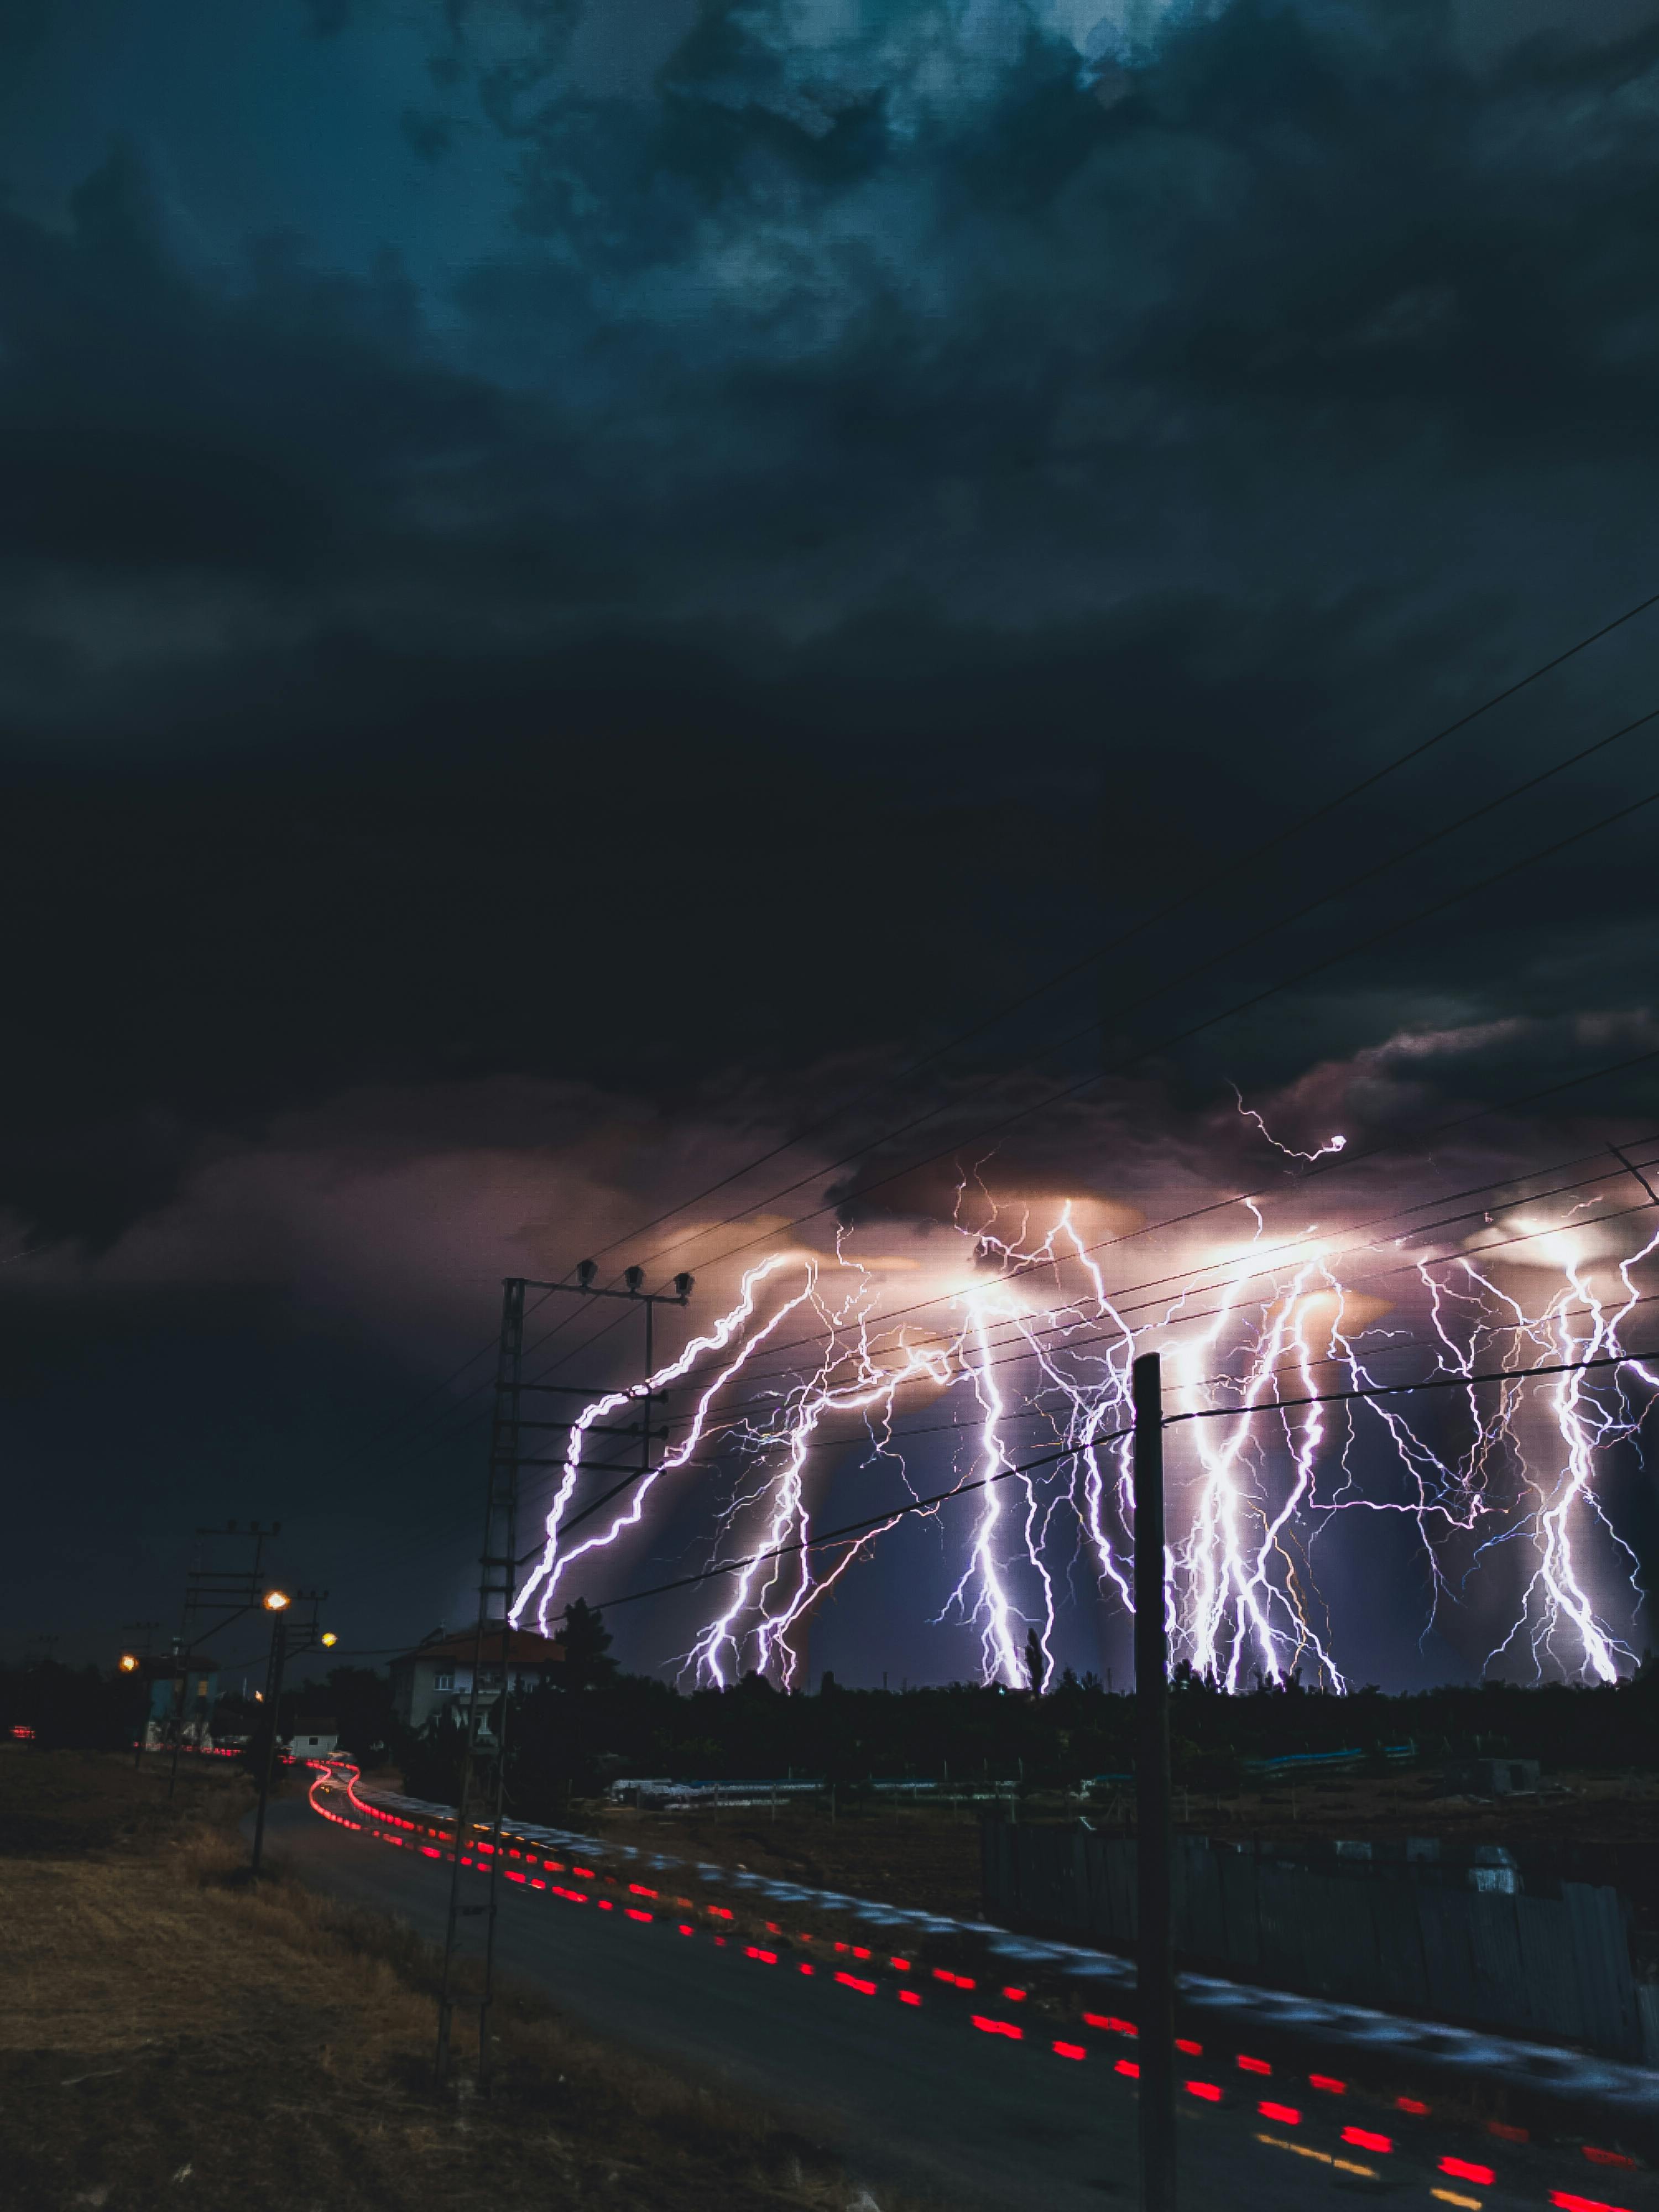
176, 2036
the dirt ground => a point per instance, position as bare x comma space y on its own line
927, 1860
1584, 1806
174, 2036
1593, 1826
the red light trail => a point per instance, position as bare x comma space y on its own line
383, 1823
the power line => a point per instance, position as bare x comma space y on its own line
1010, 1329
1073, 1451
1228, 874
1232, 951
875, 1523
1282, 921
1121, 1299
436, 1428
1335, 1165
1406, 1389
1258, 998
1025, 1350
1060, 1093
472, 1358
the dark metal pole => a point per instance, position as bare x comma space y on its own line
1154, 1832
501, 1550
504, 1502
181, 1648
650, 1397
146, 1680
498, 1558
274, 1703
187, 1639
446, 2002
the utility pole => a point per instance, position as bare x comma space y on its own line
180, 1684
1155, 2044
219, 1596
498, 1566
277, 1603
502, 1518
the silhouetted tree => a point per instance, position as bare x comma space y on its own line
586, 1641
432, 1757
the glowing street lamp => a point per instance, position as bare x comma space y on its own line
329, 1639
276, 1600
128, 1663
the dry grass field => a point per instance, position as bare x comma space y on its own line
928, 1860
173, 2037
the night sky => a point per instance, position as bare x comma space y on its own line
583, 585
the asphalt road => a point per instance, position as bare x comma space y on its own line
915, 2094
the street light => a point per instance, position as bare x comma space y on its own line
329, 1639
128, 1663
276, 1600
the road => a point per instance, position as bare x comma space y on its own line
913, 2093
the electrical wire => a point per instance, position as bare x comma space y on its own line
1074, 1089
1282, 921
1128, 1290
706, 1457
857, 1532
1062, 1092
1230, 874
1232, 951
904, 1435
1436, 1129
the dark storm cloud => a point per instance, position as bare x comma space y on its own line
923, 484
158, 426
838, 324
976, 328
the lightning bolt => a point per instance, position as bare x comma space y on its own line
1491, 1477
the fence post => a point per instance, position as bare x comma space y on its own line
1155, 1950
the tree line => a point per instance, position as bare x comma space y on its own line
588, 1722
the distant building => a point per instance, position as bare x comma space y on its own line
438, 1674
188, 1715
317, 1737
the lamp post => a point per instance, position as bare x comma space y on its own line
130, 1665
135, 1664
276, 1603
